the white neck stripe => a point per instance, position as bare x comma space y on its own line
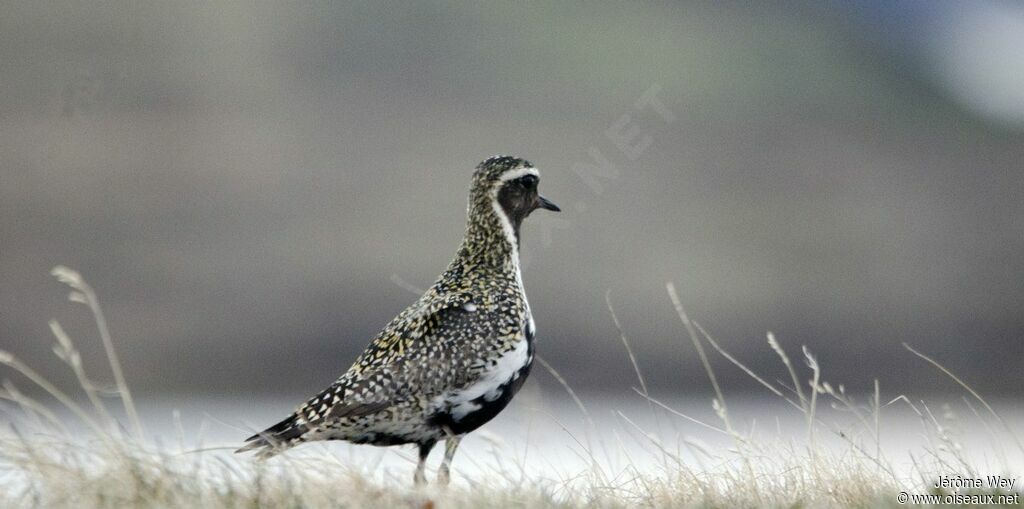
513, 242
506, 228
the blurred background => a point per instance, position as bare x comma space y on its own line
253, 188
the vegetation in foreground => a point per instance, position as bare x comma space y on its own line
43, 464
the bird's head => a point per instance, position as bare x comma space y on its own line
508, 186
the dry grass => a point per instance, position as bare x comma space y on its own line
44, 464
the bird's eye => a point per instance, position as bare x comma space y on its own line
528, 181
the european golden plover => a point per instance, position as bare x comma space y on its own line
455, 358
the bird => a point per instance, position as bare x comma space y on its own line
452, 360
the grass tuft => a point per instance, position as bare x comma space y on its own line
46, 461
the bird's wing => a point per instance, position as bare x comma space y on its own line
289, 430
397, 365
419, 321
415, 352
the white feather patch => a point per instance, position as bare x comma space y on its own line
503, 372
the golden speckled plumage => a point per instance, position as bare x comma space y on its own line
451, 360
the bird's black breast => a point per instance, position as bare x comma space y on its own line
488, 409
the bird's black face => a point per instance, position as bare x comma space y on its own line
518, 197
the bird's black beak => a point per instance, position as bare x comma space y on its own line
547, 204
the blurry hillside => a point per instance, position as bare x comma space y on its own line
244, 185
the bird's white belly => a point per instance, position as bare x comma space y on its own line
488, 386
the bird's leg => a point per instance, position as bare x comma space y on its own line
444, 473
421, 477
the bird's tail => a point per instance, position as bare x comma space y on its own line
276, 438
